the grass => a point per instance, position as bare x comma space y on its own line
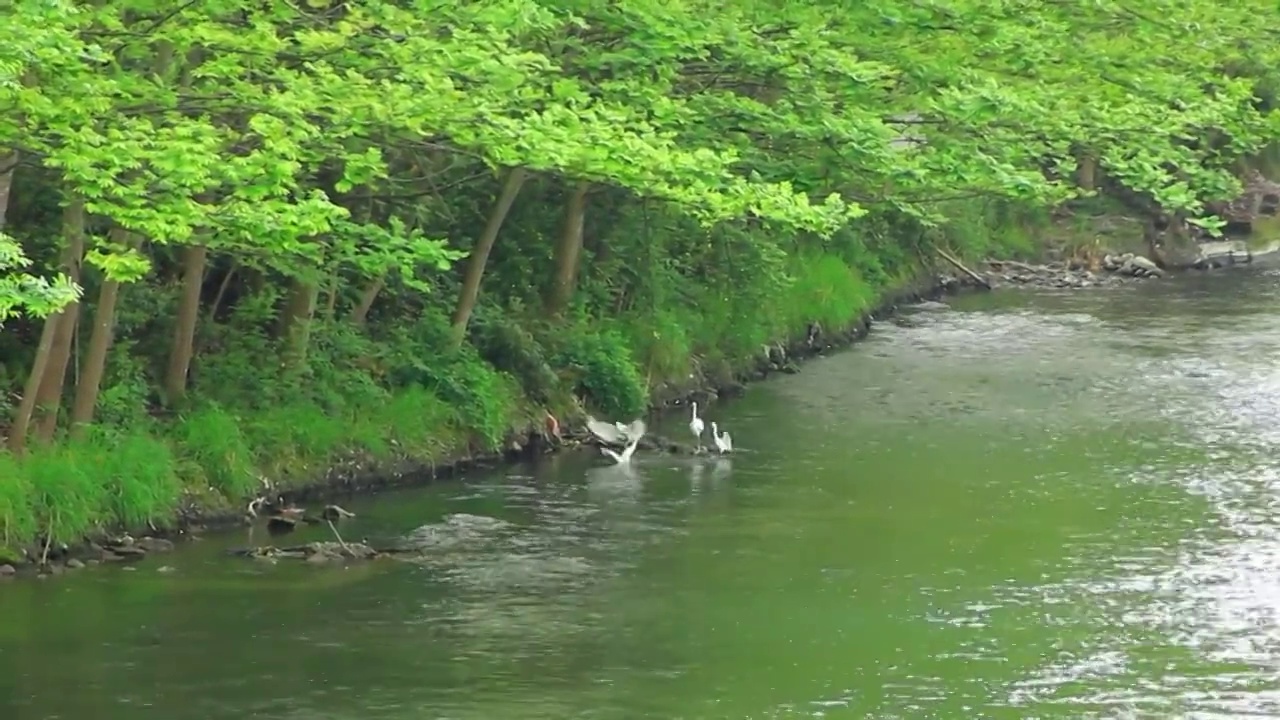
136, 476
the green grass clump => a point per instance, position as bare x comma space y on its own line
68, 490
825, 290
68, 499
17, 511
419, 423
138, 475
293, 438
210, 438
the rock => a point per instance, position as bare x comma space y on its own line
7, 571
814, 334
1223, 254
1172, 240
1138, 266
776, 354
123, 554
128, 551
319, 552
280, 525
164, 569
75, 564
152, 544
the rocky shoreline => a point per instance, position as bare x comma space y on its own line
363, 474
1065, 275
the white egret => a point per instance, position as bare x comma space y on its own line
724, 443
615, 433
696, 426
624, 458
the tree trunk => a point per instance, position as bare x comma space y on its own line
568, 250
295, 322
331, 298
95, 361
222, 292
49, 397
255, 280
480, 254
26, 408
181, 351
360, 313
1086, 171
8, 164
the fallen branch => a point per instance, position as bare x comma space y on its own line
341, 542
949, 258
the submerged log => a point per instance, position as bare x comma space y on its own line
314, 552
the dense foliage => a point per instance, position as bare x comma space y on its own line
238, 238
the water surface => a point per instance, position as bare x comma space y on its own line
1035, 505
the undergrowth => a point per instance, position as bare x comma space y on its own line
392, 388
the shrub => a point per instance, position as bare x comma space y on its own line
604, 372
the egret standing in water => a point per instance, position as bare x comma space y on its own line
724, 443
696, 426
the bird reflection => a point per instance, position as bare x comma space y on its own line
720, 469
614, 481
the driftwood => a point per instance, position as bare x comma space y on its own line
960, 266
316, 552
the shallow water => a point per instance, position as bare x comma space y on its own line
1032, 506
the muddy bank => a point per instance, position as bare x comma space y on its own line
363, 473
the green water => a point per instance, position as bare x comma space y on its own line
1030, 506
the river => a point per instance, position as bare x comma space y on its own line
1034, 505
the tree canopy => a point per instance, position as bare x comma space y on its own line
348, 148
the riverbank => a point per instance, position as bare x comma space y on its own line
172, 478
199, 510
